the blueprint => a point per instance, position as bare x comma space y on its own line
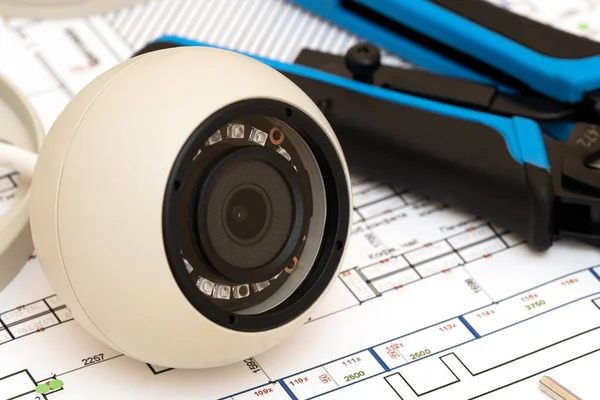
430, 303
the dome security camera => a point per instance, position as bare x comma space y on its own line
191, 206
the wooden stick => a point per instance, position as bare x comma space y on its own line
556, 390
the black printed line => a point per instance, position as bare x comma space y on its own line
532, 375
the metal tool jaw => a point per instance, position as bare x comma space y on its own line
576, 183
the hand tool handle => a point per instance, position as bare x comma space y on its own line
477, 35
491, 166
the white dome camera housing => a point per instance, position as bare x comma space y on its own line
191, 206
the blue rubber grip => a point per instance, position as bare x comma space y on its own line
565, 80
523, 137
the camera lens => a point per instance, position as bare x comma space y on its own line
247, 214
251, 212
256, 205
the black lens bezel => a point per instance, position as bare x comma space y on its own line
336, 226
300, 221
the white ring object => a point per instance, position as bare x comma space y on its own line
60, 8
17, 158
20, 126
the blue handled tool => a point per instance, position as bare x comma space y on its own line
475, 40
460, 142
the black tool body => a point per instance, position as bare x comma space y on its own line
464, 149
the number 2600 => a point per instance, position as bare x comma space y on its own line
353, 376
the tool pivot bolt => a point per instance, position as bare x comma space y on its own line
363, 59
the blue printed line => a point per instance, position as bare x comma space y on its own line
459, 317
469, 327
228, 397
379, 360
378, 344
418, 330
544, 284
374, 354
400, 366
542, 313
287, 389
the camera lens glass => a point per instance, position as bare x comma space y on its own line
247, 213
251, 209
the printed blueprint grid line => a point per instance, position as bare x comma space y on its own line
270, 28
